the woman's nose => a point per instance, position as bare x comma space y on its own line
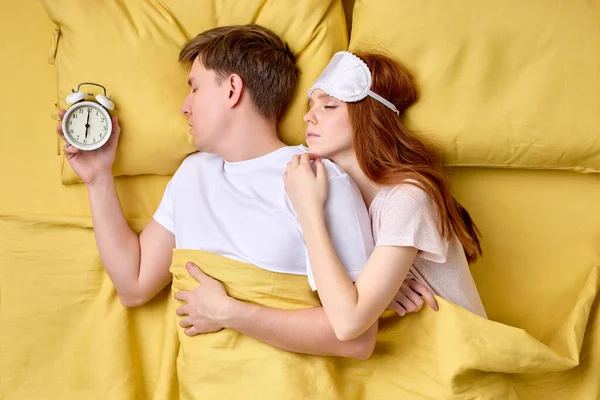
309, 118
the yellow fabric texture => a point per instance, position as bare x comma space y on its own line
65, 335
132, 48
502, 83
449, 354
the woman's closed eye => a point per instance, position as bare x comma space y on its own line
331, 106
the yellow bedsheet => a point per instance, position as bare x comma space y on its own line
449, 354
65, 335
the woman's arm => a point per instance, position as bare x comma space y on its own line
353, 307
306, 331
350, 308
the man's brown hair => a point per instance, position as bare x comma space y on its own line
262, 59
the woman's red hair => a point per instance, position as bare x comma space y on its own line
388, 153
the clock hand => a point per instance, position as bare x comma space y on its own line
87, 124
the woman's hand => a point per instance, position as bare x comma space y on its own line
307, 190
410, 298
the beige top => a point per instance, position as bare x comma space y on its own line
405, 215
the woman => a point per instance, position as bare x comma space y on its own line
420, 230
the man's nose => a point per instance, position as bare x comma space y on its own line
185, 108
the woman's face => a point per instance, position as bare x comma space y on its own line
328, 128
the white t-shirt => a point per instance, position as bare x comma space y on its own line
241, 211
405, 215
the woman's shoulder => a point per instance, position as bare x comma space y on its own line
409, 191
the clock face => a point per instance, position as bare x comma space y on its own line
87, 125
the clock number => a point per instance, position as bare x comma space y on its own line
81, 111
70, 122
74, 116
97, 113
77, 136
85, 141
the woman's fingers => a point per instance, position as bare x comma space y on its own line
296, 160
405, 302
414, 297
424, 292
398, 308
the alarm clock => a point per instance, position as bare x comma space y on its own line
87, 124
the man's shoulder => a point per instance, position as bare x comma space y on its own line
199, 158
195, 163
334, 170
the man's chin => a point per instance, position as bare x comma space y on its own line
197, 145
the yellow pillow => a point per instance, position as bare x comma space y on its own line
502, 83
132, 49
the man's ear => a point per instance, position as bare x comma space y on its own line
235, 85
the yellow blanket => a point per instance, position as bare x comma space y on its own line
449, 354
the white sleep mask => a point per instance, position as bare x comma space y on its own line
348, 78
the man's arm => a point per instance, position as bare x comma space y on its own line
137, 266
